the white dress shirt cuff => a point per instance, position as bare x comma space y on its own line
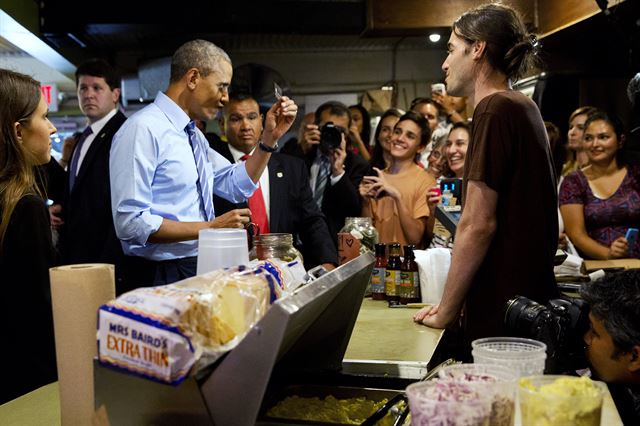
336, 179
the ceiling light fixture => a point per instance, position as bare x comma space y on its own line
434, 38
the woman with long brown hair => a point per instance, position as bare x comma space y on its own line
26, 249
601, 202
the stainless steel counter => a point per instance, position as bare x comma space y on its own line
386, 341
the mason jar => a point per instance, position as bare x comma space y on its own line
274, 246
362, 229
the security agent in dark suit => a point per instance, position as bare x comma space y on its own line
335, 173
87, 234
288, 201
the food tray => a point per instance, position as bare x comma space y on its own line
320, 391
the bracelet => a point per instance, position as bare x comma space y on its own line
267, 148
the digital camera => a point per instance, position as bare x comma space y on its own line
330, 137
561, 325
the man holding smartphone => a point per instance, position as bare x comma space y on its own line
508, 233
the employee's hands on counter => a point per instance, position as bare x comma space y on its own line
435, 316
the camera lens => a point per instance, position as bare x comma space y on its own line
330, 137
524, 317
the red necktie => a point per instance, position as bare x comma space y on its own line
257, 207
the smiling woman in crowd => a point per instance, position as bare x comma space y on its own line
395, 197
576, 154
456, 149
381, 157
602, 201
26, 249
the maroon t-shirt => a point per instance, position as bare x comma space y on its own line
509, 152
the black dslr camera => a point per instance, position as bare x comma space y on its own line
330, 137
561, 325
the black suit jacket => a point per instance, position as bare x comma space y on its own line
342, 200
291, 208
88, 234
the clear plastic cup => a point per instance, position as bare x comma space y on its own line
221, 248
444, 402
526, 357
560, 400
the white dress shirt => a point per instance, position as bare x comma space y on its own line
95, 129
264, 178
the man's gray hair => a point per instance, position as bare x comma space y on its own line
200, 54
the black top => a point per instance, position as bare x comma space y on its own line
25, 305
88, 234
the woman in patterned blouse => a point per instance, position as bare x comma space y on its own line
602, 201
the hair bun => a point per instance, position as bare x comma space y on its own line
534, 42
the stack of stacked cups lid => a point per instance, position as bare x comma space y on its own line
525, 357
221, 248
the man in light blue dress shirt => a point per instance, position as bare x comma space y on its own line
158, 206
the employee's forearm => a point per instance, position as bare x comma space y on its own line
470, 248
171, 231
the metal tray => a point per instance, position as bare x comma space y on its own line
320, 391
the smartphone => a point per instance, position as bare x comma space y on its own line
631, 237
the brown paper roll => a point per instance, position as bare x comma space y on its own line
77, 291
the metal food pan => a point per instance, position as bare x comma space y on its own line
320, 391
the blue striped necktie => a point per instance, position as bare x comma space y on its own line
324, 170
199, 154
75, 158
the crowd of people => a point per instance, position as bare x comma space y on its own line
135, 191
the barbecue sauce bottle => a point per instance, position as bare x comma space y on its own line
410, 280
392, 274
378, 275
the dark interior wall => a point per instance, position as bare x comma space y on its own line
591, 63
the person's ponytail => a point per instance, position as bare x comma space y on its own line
522, 57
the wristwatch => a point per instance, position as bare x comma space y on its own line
267, 148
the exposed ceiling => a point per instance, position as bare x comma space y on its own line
130, 33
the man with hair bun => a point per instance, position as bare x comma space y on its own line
507, 236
